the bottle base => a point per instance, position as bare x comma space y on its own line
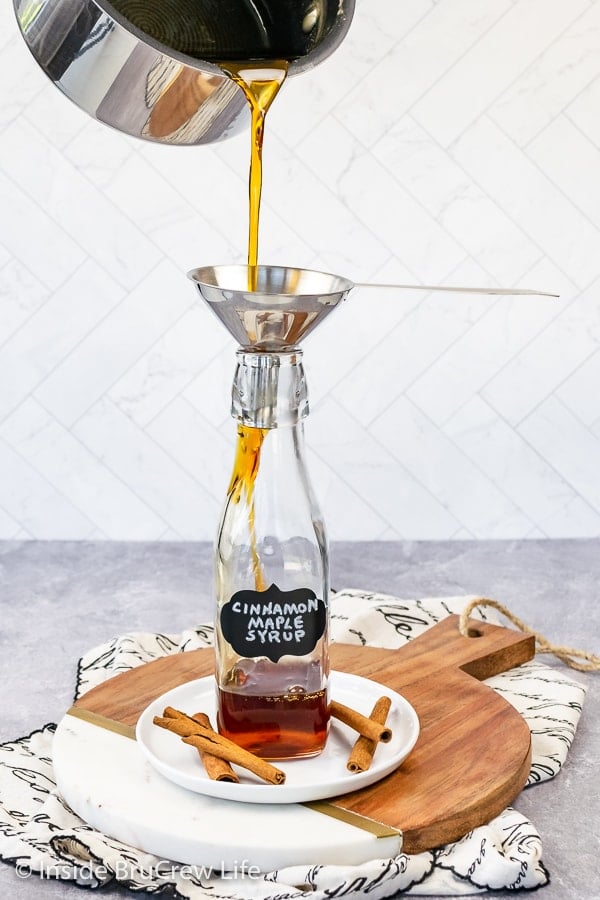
275, 727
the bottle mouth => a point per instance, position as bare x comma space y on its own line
269, 389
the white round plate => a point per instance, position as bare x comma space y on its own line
306, 779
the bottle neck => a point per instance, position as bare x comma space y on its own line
269, 389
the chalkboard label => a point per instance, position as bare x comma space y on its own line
273, 623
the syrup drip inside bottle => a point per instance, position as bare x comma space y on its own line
241, 488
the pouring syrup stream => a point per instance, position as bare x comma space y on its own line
260, 83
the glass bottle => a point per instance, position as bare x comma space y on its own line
272, 577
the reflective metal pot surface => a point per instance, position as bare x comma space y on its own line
149, 67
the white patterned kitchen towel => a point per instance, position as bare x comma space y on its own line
40, 834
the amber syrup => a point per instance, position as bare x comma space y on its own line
245, 470
277, 727
260, 82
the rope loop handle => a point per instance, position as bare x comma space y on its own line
568, 655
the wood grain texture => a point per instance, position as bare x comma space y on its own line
473, 753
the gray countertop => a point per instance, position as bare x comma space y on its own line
58, 599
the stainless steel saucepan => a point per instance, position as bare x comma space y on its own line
149, 67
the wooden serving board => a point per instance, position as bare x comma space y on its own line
473, 753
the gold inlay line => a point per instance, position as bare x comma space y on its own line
102, 721
351, 818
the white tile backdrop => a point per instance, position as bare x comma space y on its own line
455, 141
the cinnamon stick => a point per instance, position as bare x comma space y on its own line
360, 723
225, 749
205, 739
361, 755
216, 769
178, 726
169, 712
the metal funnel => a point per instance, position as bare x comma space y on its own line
284, 305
